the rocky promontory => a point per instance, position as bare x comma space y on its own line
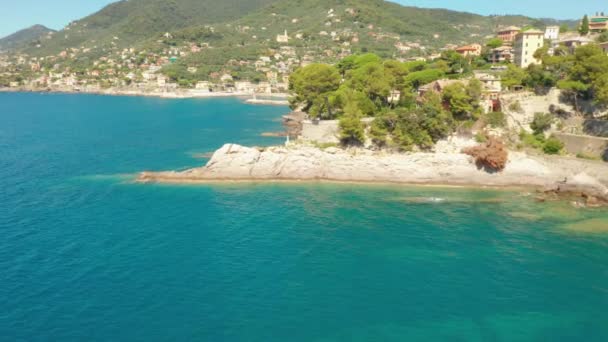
307, 163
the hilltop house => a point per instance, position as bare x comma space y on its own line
526, 44
507, 35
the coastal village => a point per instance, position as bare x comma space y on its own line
144, 72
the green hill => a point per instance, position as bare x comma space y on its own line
24, 37
137, 22
127, 22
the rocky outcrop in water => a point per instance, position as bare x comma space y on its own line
234, 162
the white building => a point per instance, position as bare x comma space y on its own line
552, 32
526, 44
283, 38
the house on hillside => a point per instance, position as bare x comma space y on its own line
552, 32
508, 34
598, 23
438, 86
491, 89
501, 54
470, 50
573, 42
526, 44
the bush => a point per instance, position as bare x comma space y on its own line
481, 138
553, 146
496, 119
491, 155
531, 140
541, 122
515, 107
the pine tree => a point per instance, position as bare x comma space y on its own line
584, 29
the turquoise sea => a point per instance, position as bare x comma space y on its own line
88, 255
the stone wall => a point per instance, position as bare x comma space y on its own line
584, 144
325, 131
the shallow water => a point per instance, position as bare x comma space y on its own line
86, 254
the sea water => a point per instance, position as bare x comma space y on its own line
86, 254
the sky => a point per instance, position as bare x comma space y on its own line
19, 14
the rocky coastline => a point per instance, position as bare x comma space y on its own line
584, 181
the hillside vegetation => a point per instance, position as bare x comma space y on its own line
22, 38
138, 22
128, 22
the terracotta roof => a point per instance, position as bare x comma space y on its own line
510, 28
468, 48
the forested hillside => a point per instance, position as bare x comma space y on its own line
26, 36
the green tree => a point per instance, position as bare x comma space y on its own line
553, 146
513, 76
420, 78
541, 123
352, 131
574, 88
584, 28
436, 122
372, 79
311, 86
463, 100
494, 43
539, 78
564, 28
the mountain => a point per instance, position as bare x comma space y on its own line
133, 22
129, 21
24, 37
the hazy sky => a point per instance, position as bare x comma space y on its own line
18, 14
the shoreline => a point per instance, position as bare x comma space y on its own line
281, 99
227, 181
